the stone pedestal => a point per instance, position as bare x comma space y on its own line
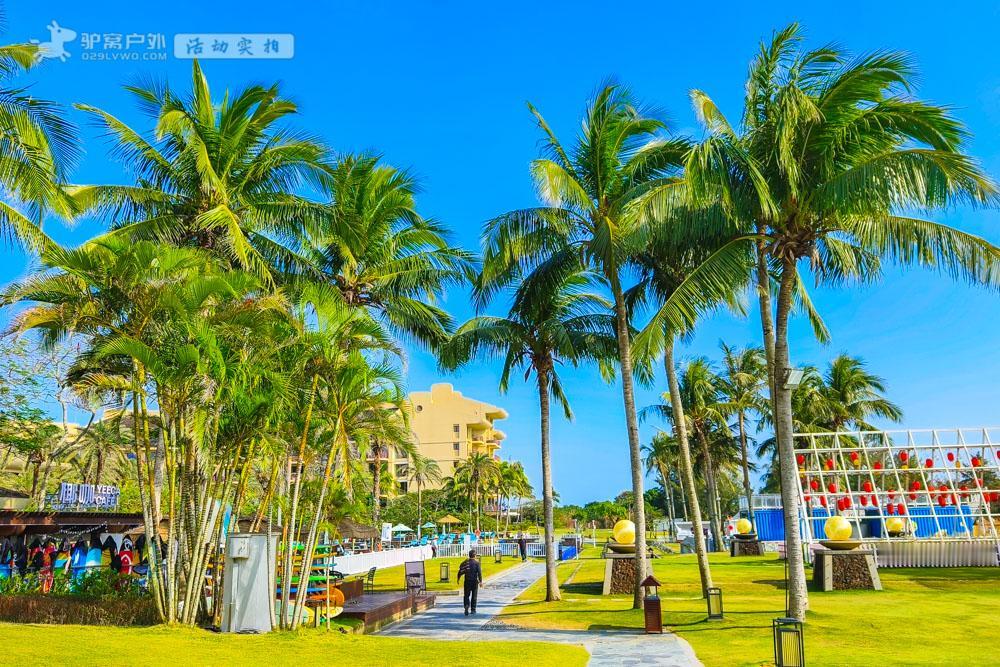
845, 570
619, 574
745, 546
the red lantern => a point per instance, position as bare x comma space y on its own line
913, 497
814, 485
890, 509
892, 493
864, 501
840, 505
832, 487
822, 501
964, 489
929, 463
800, 458
975, 461
994, 496
942, 501
943, 487
847, 502
877, 465
807, 497
903, 456
916, 485
901, 509
829, 464
867, 486
951, 456
854, 456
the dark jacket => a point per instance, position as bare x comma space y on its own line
472, 571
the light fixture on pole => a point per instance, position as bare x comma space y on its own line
714, 598
792, 378
789, 644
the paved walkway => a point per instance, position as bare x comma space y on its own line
447, 621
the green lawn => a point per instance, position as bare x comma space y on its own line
392, 579
170, 647
923, 617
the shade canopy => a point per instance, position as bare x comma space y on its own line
401, 528
350, 529
429, 524
449, 519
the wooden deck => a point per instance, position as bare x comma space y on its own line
378, 609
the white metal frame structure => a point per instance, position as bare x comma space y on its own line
945, 483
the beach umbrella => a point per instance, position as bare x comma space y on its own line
401, 528
447, 519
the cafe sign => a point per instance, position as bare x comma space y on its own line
86, 496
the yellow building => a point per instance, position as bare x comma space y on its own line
448, 427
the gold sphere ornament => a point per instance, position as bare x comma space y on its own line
743, 526
895, 524
837, 528
624, 532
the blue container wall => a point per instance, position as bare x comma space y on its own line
770, 525
771, 522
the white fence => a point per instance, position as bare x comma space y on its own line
358, 563
459, 549
928, 553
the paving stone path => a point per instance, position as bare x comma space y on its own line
447, 621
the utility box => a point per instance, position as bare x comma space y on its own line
247, 595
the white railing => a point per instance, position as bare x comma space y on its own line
762, 501
358, 563
482, 548
932, 553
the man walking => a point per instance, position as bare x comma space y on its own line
522, 546
473, 573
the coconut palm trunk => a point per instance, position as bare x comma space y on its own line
693, 508
798, 600
551, 578
711, 490
745, 461
665, 476
634, 448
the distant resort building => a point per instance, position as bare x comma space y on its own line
448, 428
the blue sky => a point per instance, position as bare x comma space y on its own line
441, 87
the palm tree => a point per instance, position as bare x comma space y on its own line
703, 410
381, 254
591, 194
831, 151
37, 146
670, 268
422, 470
846, 396
663, 457
742, 385
553, 319
219, 176
852, 396
478, 470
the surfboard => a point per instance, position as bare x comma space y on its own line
78, 559
93, 560
6, 558
126, 556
